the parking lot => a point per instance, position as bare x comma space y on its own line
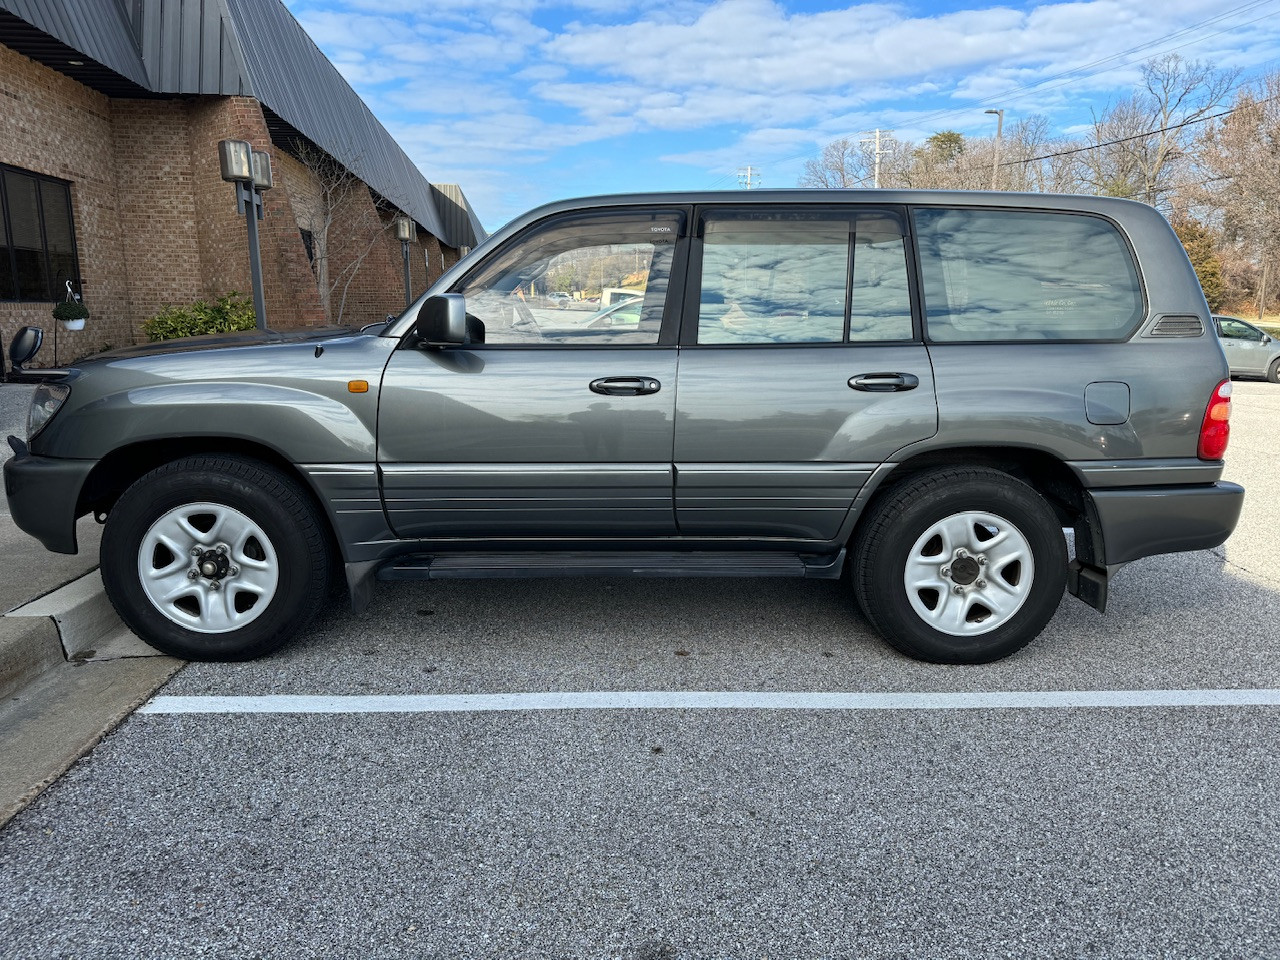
934, 828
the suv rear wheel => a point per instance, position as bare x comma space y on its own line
960, 566
215, 558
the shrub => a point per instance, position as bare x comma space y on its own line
231, 312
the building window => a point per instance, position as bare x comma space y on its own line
38, 252
309, 243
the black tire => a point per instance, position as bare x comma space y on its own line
890, 535
281, 530
1273, 371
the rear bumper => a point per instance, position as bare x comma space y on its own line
43, 494
1138, 522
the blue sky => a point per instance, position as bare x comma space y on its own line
523, 101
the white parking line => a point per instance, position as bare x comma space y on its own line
726, 700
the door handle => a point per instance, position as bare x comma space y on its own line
884, 382
625, 386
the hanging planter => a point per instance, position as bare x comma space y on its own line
71, 311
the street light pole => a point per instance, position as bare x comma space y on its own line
250, 171
406, 233
995, 158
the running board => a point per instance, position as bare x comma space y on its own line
581, 563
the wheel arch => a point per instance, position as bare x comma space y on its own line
122, 467
1042, 471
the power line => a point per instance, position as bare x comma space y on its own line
1006, 95
1136, 136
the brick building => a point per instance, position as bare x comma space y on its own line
110, 117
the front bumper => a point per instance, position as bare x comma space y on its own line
44, 497
1138, 522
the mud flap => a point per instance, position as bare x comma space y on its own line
1088, 583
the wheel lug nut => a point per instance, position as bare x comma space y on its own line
195, 551
957, 589
946, 571
214, 585
193, 574
982, 561
222, 549
233, 571
962, 552
981, 584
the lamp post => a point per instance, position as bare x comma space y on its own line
995, 158
406, 233
250, 171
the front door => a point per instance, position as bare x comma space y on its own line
1243, 344
800, 369
560, 424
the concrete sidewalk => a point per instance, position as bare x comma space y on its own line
58, 695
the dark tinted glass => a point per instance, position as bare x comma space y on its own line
37, 246
799, 276
881, 299
8, 291
55, 203
1010, 275
774, 281
24, 230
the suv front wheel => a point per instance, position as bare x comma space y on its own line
215, 558
965, 565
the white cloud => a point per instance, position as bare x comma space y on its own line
480, 89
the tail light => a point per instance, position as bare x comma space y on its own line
1216, 426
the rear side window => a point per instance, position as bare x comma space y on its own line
1014, 275
803, 277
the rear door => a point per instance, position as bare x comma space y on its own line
801, 368
559, 425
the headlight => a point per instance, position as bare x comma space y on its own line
48, 399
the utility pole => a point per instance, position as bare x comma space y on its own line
995, 155
876, 178
746, 179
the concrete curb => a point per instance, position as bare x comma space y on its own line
27, 650
87, 623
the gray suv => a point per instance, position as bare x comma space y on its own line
918, 391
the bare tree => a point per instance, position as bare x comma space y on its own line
346, 223
844, 163
1241, 159
1142, 143
850, 162
1035, 162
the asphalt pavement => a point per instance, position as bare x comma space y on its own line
684, 833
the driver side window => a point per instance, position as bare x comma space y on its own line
1236, 330
594, 281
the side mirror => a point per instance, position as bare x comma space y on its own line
26, 344
1267, 338
442, 320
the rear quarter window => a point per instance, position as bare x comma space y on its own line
1018, 275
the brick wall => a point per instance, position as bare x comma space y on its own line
289, 289
52, 125
156, 225
156, 210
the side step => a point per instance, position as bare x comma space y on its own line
584, 563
